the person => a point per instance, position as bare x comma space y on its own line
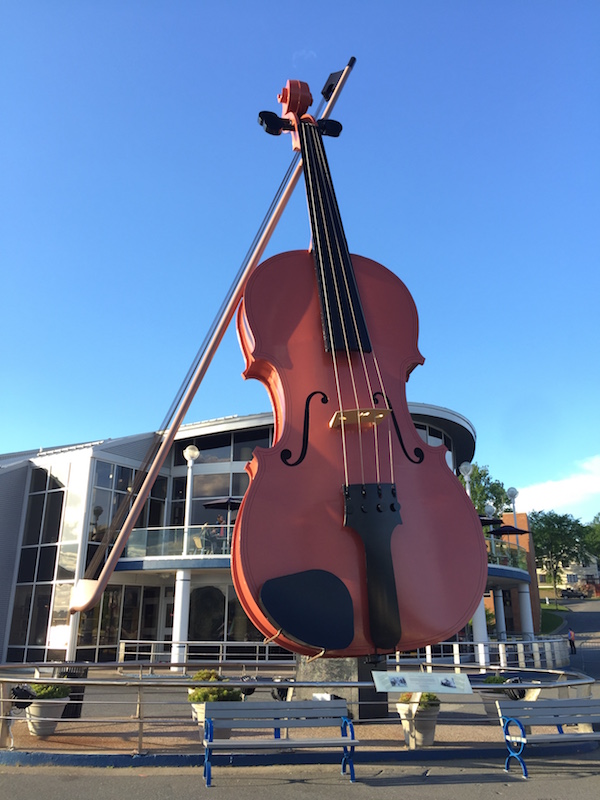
572, 642
219, 535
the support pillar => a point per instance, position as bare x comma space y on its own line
480, 635
181, 617
499, 613
527, 628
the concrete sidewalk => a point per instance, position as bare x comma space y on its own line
575, 777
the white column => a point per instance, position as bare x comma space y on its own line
181, 616
525, 608
499, 613
480, 635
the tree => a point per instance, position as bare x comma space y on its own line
591, 538
485, 490
558, 539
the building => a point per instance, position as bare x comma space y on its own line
56, 504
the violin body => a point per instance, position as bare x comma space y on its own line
303, 565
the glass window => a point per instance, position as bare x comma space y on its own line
131, 613
156, 513
211, 485
40, 614
435, 436
54, 504
159, 490
124, 480
111, 611
39, 477
104, 474
213, 449
207, 614
20, 617
239, 484
177, 513
67, 561
178, 489
244, 443
100, 514
422, 431
33, 521
27, 565
88, 628
60, 607
46, 562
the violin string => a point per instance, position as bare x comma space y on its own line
309, 176
328, 211
342, 249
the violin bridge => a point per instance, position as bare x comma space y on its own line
359, 416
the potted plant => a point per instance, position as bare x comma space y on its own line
46, 709
419, 713
215, 693
490, 696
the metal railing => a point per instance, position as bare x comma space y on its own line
505, 554
197, 652
201, 540
547, 652
140, 711
211, 540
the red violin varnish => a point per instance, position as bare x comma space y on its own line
354, 536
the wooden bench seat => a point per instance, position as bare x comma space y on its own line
519, 718
255, 718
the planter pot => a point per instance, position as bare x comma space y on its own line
199, 715
43, 716
489, 699
418, 725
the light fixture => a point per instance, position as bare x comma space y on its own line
191, 452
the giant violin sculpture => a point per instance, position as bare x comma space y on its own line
354, 537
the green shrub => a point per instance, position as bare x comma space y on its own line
212, 694
494, 679
51, 691
428, 699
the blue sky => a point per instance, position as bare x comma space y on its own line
135, 175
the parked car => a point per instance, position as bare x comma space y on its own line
572, 593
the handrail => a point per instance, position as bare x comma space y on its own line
154, 708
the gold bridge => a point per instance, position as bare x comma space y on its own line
359, 416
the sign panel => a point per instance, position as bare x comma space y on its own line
436, 682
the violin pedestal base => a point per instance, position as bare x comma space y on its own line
365, 703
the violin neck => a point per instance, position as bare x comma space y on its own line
343, 320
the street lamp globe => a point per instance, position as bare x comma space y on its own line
191, 452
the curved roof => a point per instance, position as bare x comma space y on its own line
458, 428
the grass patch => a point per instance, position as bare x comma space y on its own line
551, 621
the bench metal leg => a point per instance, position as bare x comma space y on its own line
348, 761
519, 759
514, 744
207, 767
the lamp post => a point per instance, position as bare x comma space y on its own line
183, 577
465, 469
490, 510
512, 495
190, 454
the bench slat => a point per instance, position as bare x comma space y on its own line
276, 722
278, 744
